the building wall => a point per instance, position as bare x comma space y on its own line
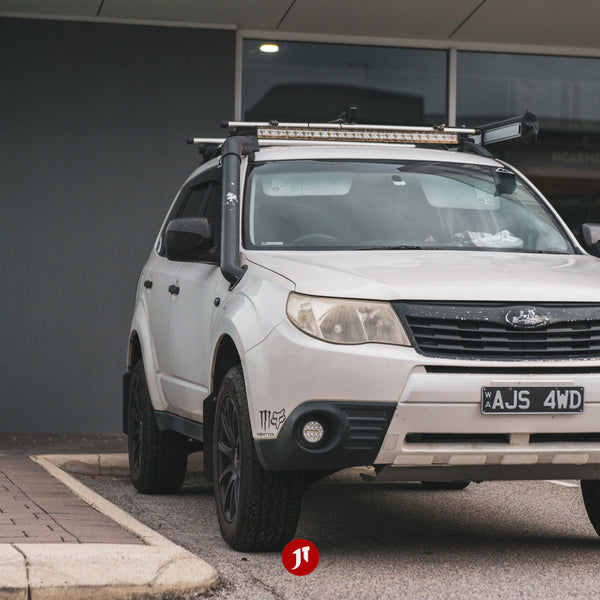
94, 119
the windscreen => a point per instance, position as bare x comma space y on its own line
349, 205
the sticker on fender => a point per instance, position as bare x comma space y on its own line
531, 400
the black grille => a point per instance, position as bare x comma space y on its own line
482, 332
445, 336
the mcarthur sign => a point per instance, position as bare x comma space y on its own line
553, 160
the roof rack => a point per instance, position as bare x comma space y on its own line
497, 135
274, 133
342, 132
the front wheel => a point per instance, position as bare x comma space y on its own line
590, 490
258, 510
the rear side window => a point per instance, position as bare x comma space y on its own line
212, 210
195, 201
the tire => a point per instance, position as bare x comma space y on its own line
445, 485
157, 459
257, 510
590, 490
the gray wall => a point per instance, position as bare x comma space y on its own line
93, 123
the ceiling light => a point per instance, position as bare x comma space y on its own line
269, 48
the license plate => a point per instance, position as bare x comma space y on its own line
531, 400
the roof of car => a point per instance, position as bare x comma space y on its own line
368, 152
357, 151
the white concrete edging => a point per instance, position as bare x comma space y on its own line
159, 568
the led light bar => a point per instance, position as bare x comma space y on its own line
343, 132
349, 134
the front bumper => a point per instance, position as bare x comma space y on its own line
436, 420
354, 433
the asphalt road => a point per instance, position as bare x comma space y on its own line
503, 540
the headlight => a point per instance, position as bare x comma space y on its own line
346, 321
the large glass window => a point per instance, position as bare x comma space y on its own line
315, 82
564, 93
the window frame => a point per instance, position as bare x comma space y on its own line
212, 176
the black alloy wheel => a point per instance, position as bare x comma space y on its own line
228, 459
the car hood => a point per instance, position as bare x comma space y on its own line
438, 275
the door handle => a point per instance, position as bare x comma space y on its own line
174, 289
147, 284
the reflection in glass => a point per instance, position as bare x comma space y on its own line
564, 93
315, 82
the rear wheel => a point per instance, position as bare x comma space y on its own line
257, 510
157, 459
445, 485
590, 490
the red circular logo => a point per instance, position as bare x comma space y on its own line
300, 557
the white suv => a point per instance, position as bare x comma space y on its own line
322, 297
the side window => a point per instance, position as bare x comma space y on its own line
194, 203
213, 211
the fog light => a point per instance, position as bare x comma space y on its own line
313, 432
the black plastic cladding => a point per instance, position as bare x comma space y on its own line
355, 434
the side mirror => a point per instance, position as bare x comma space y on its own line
190, 240
591, 237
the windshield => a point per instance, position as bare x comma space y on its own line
349, 205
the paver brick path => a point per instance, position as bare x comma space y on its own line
62, 443
36, 508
